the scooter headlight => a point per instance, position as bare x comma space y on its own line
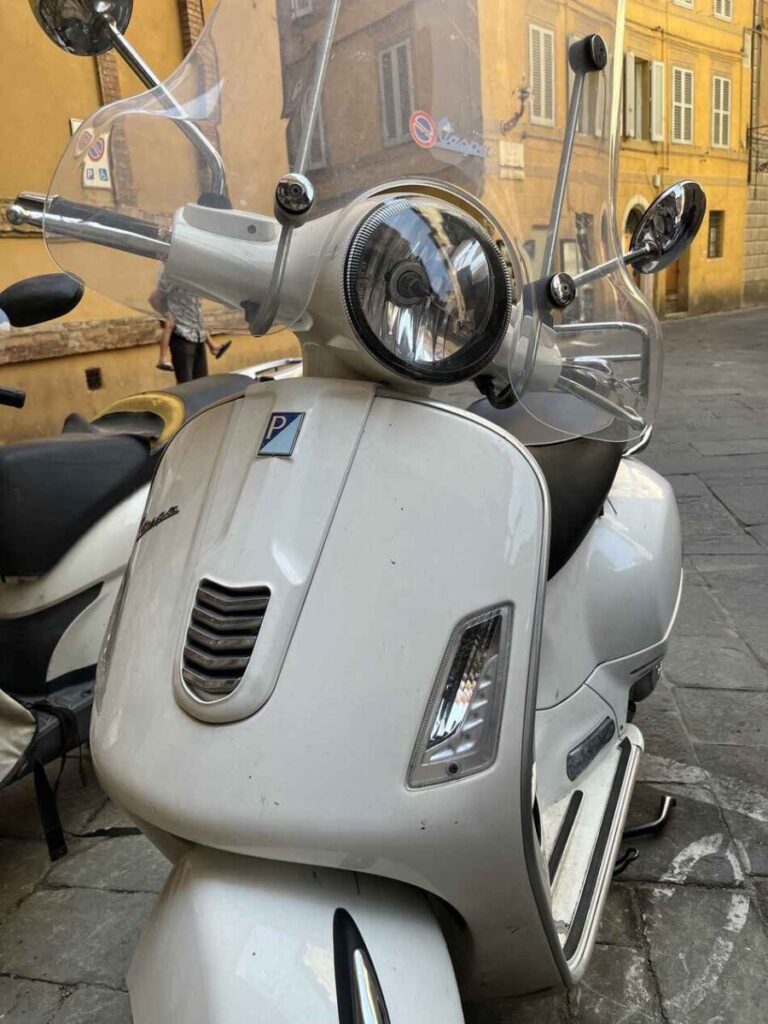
427, 290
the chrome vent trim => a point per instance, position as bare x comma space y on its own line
222, 634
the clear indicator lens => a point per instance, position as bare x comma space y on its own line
460, 732
427, 289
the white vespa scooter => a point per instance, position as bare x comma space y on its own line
369, 678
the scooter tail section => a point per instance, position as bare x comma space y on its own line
234, 938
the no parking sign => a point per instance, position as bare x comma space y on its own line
423, 129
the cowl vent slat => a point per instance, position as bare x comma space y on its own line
222, 634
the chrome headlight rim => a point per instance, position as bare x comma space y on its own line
481, 351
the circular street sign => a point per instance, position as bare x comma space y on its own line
84, 141
96, 152
423, 129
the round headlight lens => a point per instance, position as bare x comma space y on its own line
427, 290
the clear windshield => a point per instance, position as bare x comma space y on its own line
472, 95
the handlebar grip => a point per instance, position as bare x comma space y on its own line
13, 397
40, 298
99, 215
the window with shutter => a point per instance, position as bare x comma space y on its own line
724, 9
721, 112
396, 82
682, 105
542, 75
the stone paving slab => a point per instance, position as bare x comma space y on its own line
748, 502
708, 951
23, 865
70, 936
739, 778
721, 663
739, 720
665, 734
128, 864
621, 919
760, 533
619, 987
28, 1002
748, 446
694, 846
700, 614
94, 1006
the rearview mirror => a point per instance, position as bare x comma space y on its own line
668, 227
81, 26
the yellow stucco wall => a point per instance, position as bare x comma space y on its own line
56, 387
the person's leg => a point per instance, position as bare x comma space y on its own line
200, 366
183, 356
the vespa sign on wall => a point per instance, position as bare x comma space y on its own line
429, 134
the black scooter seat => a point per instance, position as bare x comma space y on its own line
54, 489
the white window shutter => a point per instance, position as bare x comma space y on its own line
549, 76
629, 95
725, 126
687, 106
542, 70
716, 111
536, 75
657, 101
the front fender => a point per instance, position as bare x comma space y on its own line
234, 939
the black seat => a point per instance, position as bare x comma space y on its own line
579, 475
54, 489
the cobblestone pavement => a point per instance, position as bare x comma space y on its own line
685, 939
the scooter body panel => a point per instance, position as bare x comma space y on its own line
618, 594
253, 940
318, 775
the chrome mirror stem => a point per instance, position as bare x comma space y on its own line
574, 113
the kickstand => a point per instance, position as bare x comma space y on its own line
650, 828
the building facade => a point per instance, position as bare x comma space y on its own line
687, 104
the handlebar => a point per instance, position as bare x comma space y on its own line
91, 224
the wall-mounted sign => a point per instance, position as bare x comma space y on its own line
423, 129
428, 134
93, 150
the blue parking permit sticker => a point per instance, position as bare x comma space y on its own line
281, 434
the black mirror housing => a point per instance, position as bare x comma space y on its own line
40, 298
